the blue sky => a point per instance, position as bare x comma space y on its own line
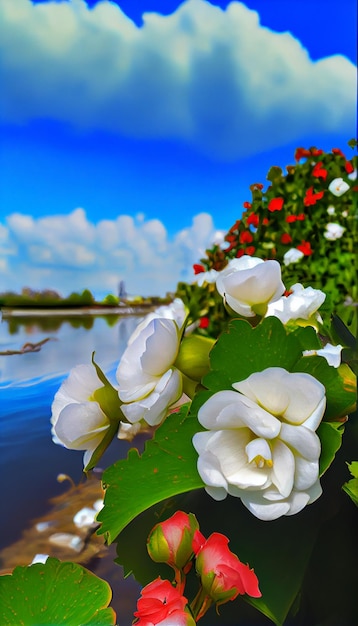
131, 130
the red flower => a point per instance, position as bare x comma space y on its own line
315, 152
338, 151
311, 197
247, 205
275, 204
286, 238
230, 238
305, 247
171, 541
222, 574
198, 268
204, 322
265, 221
159, 601
301, 153
291, 218
253, 220
245, 237
348, 167
319, 171
240, 253
301, 217
250, 250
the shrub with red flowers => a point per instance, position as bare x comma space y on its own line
294, 213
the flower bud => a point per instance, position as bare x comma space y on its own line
171, 541
193, 356
222, 574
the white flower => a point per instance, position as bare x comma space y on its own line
174, 311
331, 353
331, 210
261, 444
353, 175
338, 187
302, 303
333, 231
206, 277
292, 256
248, 284
85, 517
78, 421
148, 382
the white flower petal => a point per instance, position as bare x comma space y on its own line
264, 510
154, 407
298, 501
302, 440
81, 426
283, 470
306, 473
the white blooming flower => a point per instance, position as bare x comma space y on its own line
206, 277
292, 256
353, 175
331, 210
301, 303
78, 421
331, 353
174, 311
261, 444
333, 231
148, 382
248, 284
338, 187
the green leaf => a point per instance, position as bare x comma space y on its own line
351, 487
330, 434
243, 350
55, 593
166, 468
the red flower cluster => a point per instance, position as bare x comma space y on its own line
159, 601
311, 197
286, 238
253, 220
295, 218
275, 204
198, 268
246, 237
319, 171
305, 247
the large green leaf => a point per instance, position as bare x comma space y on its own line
55, 593
243, 350
166, 468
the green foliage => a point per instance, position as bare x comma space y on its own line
55, 593
351, 487
167, 467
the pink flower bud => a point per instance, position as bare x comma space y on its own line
223, 576
171, 541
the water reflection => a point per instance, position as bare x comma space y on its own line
71, 341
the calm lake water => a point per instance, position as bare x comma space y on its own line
29, 460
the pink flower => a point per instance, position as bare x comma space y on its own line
171, 541
161, 604
222, 574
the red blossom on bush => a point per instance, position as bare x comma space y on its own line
253, 220
319, 171
348, 167
204, 322
286, 238
247, 205
265, 221
311, 197
301, 217
275, 204
339, 152
305, 247
198, 268
159, 601
301, 153
246, 237
250, 250
240, 253
222, 574
315, 153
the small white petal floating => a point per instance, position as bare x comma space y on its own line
67, 540
85, 517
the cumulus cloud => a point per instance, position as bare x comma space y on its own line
69, 253
213, 78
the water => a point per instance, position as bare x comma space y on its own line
29, 460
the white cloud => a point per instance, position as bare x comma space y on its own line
215, 79
49, 252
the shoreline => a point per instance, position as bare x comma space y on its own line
8, 312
